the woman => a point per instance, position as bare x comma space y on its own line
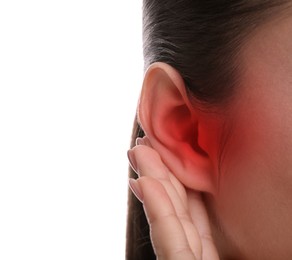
215, 167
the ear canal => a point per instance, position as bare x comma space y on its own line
183, 128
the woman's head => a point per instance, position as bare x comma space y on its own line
215, 104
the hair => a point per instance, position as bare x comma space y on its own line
202, 40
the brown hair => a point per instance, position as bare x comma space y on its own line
202, 39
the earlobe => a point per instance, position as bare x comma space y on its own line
173, 127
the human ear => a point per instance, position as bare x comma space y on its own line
173, 127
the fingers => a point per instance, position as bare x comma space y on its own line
150, 165
178, 218
172, 231
200, 217
167, 233
143, 141
177, 185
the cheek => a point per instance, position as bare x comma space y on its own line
255, 190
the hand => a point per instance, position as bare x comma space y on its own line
178, 220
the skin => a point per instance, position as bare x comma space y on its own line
250, 211
254, 204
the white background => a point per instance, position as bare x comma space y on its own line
70, 76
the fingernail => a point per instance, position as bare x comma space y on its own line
135, 187
132, 160
139, 141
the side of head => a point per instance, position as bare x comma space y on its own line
198, 87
